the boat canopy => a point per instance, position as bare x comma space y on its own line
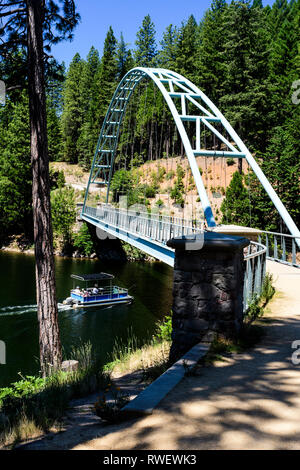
92, 277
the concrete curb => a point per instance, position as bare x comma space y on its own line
149, 398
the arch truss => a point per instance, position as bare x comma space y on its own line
187, 103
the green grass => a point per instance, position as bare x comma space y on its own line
150, 358
33, 405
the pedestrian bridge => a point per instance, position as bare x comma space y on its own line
145, 231
150, 232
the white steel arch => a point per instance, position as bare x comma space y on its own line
174, 87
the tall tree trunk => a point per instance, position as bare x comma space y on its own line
49, 338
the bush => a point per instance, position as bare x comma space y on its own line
178, 190
121, 183
149, 191
63, 213
170, 175
165, 329
83, 241
57, 179
268, 290
40, 402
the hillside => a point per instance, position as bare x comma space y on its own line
216, 174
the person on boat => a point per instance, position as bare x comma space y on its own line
95, 289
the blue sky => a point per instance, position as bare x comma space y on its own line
125, 16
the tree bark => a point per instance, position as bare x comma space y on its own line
49, 338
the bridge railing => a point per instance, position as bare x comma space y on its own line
255, 270
281, 247
162, 228
156, 227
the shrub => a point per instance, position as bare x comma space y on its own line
268, 290
57, 179
165, 329
83, 241
40, 402
63, 212
170, 175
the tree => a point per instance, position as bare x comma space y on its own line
284, 26
235, 207
247, 90
211, 59
63, 213
106, 78
120, 184
15, 172
88, 89
168, 53
124, 59
281, 164
54, 86
187, 49
178, 189
83, 241
73, 111
146, 51
36, 24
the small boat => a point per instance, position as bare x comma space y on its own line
94, 295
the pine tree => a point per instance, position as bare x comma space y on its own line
36, 25
211, 59
281, 164
54, 87
89, 96
106, 78
124, 59
146, 51
15, 170
235, 207
282, 58
168, 53
247, 88
73, 112
187, 49
55, 142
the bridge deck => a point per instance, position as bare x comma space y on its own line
147, 232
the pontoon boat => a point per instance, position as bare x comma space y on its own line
92, 294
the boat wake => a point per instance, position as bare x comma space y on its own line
17, 309
21, 309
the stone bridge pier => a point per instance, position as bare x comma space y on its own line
207, 288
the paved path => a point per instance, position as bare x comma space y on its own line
251, 401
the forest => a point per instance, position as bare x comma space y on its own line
244, 56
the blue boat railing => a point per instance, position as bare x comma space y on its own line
113, 292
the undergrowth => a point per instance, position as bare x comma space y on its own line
33, 405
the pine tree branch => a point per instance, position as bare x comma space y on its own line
15, 87
2, 28
12, 12
65, 20
6, 5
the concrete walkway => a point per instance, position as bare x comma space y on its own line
249, 401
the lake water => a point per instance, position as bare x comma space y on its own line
149, 283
